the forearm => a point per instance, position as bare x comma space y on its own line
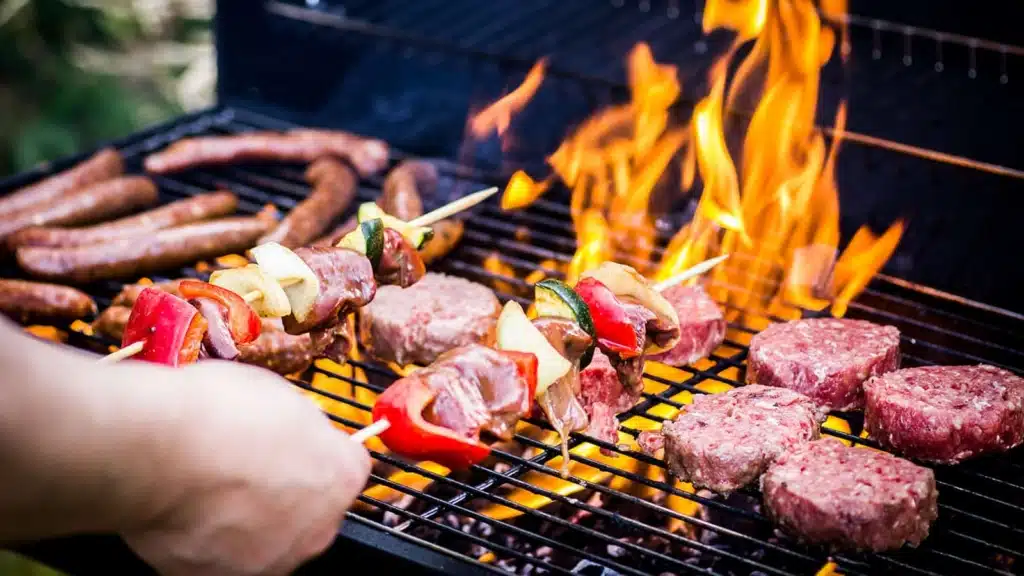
80, 443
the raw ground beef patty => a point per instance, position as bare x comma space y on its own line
702, 326
946, 413
828, 359
725, 441
415, 325
827, 493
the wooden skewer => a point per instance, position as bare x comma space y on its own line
695, 270
370, 431
454, 207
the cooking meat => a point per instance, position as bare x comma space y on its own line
479, 388
186, 211
134, 257
447, 234
827, 359
560, 402
103, 165
334, 186
946, 414
95, 203
26, 302
702, 326
400, 264
367, 155
130, 292
112, 321
415, 325
603, 396
346, 283
217, 341
335, 342
722, 442
827, 493
277, 350
405, 187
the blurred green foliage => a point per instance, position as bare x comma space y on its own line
76, 73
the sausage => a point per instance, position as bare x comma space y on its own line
93, 204
367, 155
447, 234
103, 165
334, 187
26, 302
402, 197
130, 293
134, 257
277, 350
405, 187
111, 322
194, 209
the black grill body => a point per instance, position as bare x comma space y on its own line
285, 63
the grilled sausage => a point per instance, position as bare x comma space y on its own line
103, 165
26, 302
334, 187
405, 187
367, 155
278, 350
402, 197
111, 322
195, 209
93, 204
134, 257
130, 293
447, 234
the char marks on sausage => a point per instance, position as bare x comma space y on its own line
334, 187
367, 155
25, 302
186, 211
101, 166
134, 257
98, 202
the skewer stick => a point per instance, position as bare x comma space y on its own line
126, 352
695, 270
370, 431
454, 207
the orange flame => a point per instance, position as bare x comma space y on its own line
498, 116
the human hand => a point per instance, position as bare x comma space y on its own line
259, 479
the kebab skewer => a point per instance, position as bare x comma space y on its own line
438, 412
289, 290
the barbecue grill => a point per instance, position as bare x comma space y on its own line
319, 63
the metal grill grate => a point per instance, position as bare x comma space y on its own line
616, 519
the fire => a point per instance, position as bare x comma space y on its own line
498, 116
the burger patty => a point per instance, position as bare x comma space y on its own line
417, 324
725, 441
828, 359
946, 414
827, 493
702, 326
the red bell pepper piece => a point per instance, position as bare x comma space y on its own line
172, 329
410, 435
526, 363
615, 329
243, 321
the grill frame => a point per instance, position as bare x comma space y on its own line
252, 185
